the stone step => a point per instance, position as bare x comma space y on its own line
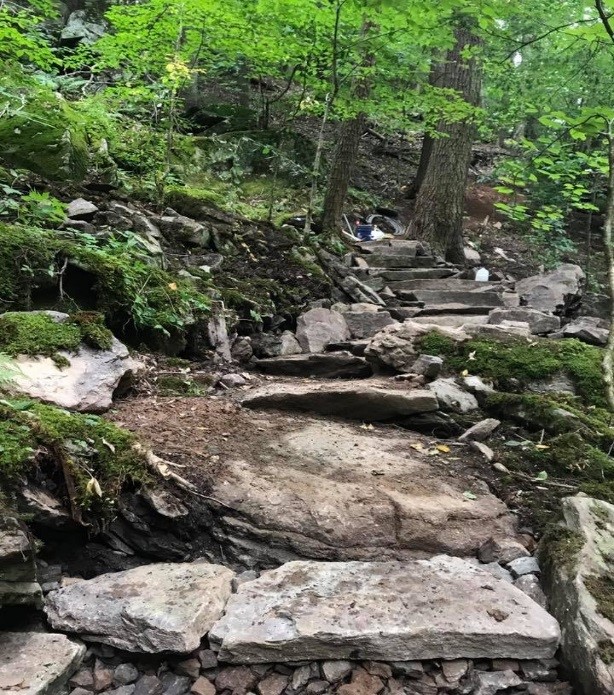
440, 297
400, 274
451, 320
442, 608
37, 663
355, 401
330, 365
452, 308
380, 260
393, 247
449, 284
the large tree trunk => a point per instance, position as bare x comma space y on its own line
438, 215
344, 160
608, 357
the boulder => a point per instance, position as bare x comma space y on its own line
442, 608
539, 322
317, 328
177, 228
289, 345
152, 608
37, 663
452, 397
429, 366
79, 28
365, 324
87, 384
588, 329
503, 332
329, 365
554, 292
578, 583
502, 550
352, 401
394, 346
18, 582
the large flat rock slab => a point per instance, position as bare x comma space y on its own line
328, 365
443, 608
37, 663
154, 608
353, 401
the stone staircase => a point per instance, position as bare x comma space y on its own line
415, 283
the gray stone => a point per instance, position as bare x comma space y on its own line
86, 385
454, 670
557, 383
452, 397
242, 350
529, 583
18, 581
37, 663
148, 685
555, 291
317, 687
537, 671
590, 524
125, 674
539, 322
238, 679
103, 676
453, 320
83, 678
317, 328
335, 671
328, 365
184, 230
79, 27
587, 329
394, 346
477, 386
289, 345
153, 608
506, 331
233, 380
428, 366
188, 667
176, 683
81, 209
352, 401
207, 657
484, 450
122, 690
490, 683
523, 565
203, 686
480, 431
411, 669
274, 684
43, 508
365, 324
314, 610
469, 299
301, 677
502, 550
143, 225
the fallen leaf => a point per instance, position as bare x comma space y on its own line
418, 446
465, 372
443, 447
172, 286
471, 355
109, 446
93, 486
542, 475
469, 495
542, 446
366, 426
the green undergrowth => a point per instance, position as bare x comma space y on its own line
560, 548
134, 295
37, 333
178, 385
93, 457
513, 365
574, 440
602, 590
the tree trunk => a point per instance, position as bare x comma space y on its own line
425, 155
438, 215
344, 159
608, 357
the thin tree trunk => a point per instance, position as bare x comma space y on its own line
438, 215
608, 357
346, 152
425, 156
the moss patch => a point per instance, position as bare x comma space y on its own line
560, 549
36, 437
518, 362
602, 590
37, 333
178, 385
606, 652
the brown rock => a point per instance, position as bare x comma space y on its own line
273, 684
83, 679
454, 670
237, 679
362, 683
188, 667
377, 668
203, 686
317, 687
103, 676
502, 550
207, 658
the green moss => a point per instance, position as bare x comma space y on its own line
602, 590
606, 652
33, 434
191, 201
178, 385
560, 548
45, 136
37, 333
520, 362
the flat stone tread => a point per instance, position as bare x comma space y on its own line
443, 608
454, 308
444, 296
450, 284
37, 663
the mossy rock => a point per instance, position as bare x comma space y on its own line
47, 137
36, 438
519, 363
223, 118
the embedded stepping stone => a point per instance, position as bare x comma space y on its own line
452, 320
330, 365
441, 297
353, 401
37, 663
392, 275
389, 260
447, 284
153, 608
442, 608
